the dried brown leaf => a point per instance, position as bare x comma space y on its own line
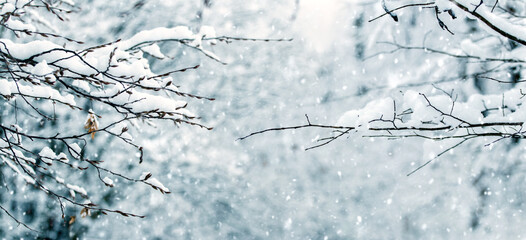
72, 220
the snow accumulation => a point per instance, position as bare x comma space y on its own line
146, 102
208, 32
20, 3
5, 88
437, 109
7, 7
70, 2
82, 85
143, 102
24, 51
20, 155
75, 150
108, 181
153, 50
40, 91
50, 57
374, 110
143, 39
153, 181
59, 180
47, 155
78, 189
27, 178
62, 157
443, 5
19, 25
157, 34
499, 22
42, 69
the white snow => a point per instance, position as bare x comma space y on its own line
374, 110
7, 7
47, 155
143, 102
19, 25
443, 5
70, 2
157, 34
78, 189
63, 157
21, 156
208, 32
108, 181
39, 91
153, 50
42, 69
82, 85
157, 184
27, 178
497, 21
59, 180
5, 88
24, 51
76, 150
22, 3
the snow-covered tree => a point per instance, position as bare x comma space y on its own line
450, 116
63, 101
447, 89
266, 186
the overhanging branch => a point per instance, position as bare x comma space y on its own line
491, 24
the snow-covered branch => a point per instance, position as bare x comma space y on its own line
439, 118
53, 79
503, 23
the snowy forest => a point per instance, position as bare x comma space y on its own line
290, 119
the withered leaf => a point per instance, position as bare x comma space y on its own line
72, 220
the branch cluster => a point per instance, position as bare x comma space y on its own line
111, 85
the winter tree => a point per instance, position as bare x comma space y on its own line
342, 58
445, 115
62, 99
444, 79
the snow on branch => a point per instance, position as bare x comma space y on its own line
109, 85
498, 24
505, 26
439, 117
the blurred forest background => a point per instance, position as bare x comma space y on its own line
268, 186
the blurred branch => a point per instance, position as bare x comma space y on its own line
16, 220
390, 12
445, 125
450, 54
501, 26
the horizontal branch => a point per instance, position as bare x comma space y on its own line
464, 56
402, 7
294, 127
391, 129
